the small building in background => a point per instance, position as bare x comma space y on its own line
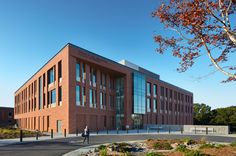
6, 116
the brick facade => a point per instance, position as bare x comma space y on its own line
44, 104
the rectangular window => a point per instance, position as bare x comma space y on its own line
167, 92
52, 97
91, 98
148, 105
59, 70
51, 76
154, 105
95, 98
94, 77
155, 90
78, 76
101, 100
84, 72
60, 94
148, 89
162, 91
78, 102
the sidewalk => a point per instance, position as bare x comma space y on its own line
4, 142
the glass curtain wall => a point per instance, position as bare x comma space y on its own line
120, 103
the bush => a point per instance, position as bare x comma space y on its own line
101, 147
182, 148
162, 146
207, 146
103, 152
153, 154
196, 153
189, 141
233, 144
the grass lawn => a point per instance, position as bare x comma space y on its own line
10, 133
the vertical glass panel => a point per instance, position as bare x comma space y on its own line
119, 103
51, 77
78, 96
53, 96
91, 98
78, 72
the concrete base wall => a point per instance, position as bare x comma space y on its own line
202, 129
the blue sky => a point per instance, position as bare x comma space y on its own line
31, 32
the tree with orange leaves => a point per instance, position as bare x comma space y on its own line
203, 26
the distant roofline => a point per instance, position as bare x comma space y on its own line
176, 86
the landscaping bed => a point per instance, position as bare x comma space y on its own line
154, 147
10, 133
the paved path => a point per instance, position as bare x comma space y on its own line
58, 147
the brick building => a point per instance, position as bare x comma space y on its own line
6, 116
77, 88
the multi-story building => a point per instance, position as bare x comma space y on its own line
6, 116
77, 88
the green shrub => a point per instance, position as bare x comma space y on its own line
233, 144
182, 148
103, 152
189, 141
101, 147
162, 146
220, 146
196, 153
153, 154
207, 146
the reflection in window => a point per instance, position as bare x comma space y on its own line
154, 105
148, 105
51, 76
148, 89
78, 96
78, 72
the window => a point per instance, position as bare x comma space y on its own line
91, 98
40, 92
52, 97
167, 92
51, 76
155, 90
95, 98
154, 105
78, 76
101, 101
162, 91
59, 70
60, 94
148, 89
84, 72
171, 94
148, 105
78, 102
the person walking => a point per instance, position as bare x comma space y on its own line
86, 134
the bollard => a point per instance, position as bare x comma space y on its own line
157, 129
77, 132
65, 133
97, 130
169, 130
107, 131
181, 130
117, 130
51, 133
195, 130
21, 135
37, 134
206, 130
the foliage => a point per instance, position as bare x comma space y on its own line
9, 133
196, 153
101, 147
153, 154
203, 27
103, 152
182, 148
162, 146
189, 141
206, 146
233, 144
202, 114
220, 116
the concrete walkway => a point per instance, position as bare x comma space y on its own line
4, 142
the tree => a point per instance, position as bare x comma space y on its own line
202, 114
203, 26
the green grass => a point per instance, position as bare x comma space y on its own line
206, 146
153, 154
189, 141
103, 152
10, 133
182, 148
233, 144
162, 146
101, 147
196, 153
